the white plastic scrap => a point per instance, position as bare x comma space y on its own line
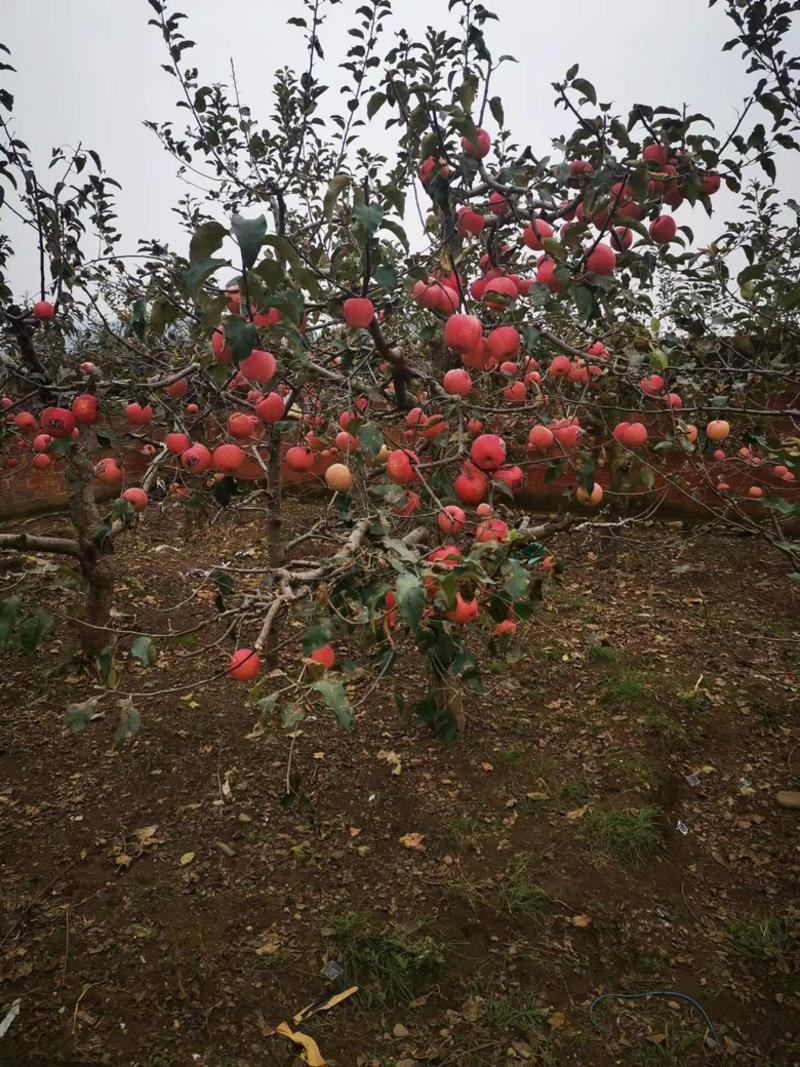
10, 1016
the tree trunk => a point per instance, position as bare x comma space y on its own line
99, 575
275, 550
276, 553
97, 565
611, 540
449, 698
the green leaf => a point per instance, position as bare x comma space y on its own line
369, 217
517, 580
206, 240
130, 723
410, 593
316, 636
199, 273
249, 234
468, 91
9, 616
402, 551
138, 322
583, 301
439, 719
659, 360
496, 108
162, 314
586, 473
290, 304
335, 697
370, 437
78, 716
240, 337
292, 715
105, 663
285, 250
223, 581
465, 667
337, 185
397, 230
266, 705
224, 490
272, 274
786, 507
554, 470
123, 509
386, 277
585, 87
376, 102
499, 604
33, 629
395, 198
144, 651
61, 446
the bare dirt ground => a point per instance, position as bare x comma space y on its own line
607, 824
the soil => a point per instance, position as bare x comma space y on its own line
607, 824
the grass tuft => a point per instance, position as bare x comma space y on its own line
520, 895
766, 937
694, 700
670, 730
386, 965
625, 688
629, 835
513, 756
517, 895
602, 654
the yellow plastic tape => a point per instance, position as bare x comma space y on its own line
311, 1053
324, 1005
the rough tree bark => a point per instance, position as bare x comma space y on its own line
275, 549
449, 697
97, 565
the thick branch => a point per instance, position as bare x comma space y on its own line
24, 542
393, 356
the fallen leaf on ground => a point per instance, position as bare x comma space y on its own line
187, 857
269, 949
146, 835
413, 841
577, 813
472, 1009
392, 759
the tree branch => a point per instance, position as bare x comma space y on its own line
23, 542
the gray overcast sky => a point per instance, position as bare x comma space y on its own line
89, 70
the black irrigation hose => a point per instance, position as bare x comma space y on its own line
656, 993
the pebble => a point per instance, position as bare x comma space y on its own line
399, 1030
788, 798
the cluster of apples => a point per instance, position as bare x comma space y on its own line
719, 430
245, 663
609, 216
53, 423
